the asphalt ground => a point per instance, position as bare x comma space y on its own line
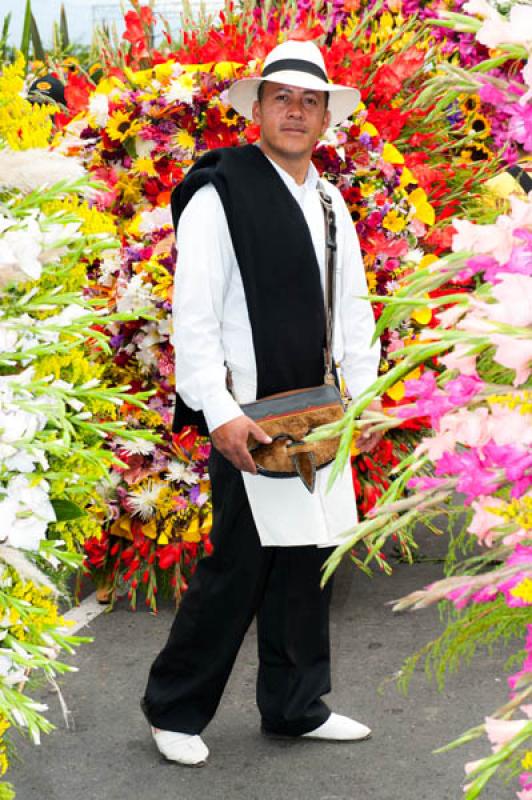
107, 753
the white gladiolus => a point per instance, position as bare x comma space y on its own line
25, 513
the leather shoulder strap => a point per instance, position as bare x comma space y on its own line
330, 279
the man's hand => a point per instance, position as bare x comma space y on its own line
231, 440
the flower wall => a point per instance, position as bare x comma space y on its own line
140, 127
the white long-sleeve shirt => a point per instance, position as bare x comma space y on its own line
211, 328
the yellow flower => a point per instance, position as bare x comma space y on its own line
367, 189
397, 391
422, 315
391, 154
407, 177
371, 278
428, 258
229, 116
370, 129
527, 761
523, 591
393, 221
120, 126
470, 104
476, 152
185, 141
130, 188
479, 125
144, 166
423, 210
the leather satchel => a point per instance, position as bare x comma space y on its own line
290, 416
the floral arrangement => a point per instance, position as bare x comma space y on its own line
478, 405
139, 129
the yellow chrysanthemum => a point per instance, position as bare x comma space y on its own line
367, 189
393, 221
130, 188
144, 166
121, 127
527, 761
185, 141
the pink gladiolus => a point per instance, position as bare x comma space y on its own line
475, 265
515, 354
484, 523
423, 387
502, 731
514, 296
460, 359
461, 390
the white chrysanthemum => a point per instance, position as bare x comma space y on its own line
134, 296
36, 168
415, 255
139, 447
143, 500
180, 91
109, 265
160, 217
180, 473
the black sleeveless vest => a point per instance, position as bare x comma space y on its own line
278, 265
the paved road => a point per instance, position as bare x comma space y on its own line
109, 755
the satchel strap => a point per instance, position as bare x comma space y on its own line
330, 279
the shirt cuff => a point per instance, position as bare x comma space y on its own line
220, 408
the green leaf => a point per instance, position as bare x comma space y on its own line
67, 510
38, 49
26, 33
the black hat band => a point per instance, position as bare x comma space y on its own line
297, 64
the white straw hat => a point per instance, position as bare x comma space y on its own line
296, 64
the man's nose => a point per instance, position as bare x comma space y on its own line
295, 107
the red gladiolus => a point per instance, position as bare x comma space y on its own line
168, 555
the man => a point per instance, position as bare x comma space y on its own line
248, 297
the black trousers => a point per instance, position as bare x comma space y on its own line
241, 579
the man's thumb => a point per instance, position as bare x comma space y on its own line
260, 435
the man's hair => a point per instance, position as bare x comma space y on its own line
260, 94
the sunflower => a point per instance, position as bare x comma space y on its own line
479, 125
476, 152
120, 126
358, 212
229, 116
470, 104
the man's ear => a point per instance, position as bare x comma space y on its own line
255, 113
326, 121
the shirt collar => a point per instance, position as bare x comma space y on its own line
310, 182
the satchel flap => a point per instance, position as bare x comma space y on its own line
285, 403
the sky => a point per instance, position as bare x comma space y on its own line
80, 15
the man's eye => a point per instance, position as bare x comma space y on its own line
281, 97
311, 101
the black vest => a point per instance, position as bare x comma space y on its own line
278, 265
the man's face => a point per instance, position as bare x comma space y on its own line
291, 119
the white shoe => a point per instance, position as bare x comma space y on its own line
340, 729
181, 747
